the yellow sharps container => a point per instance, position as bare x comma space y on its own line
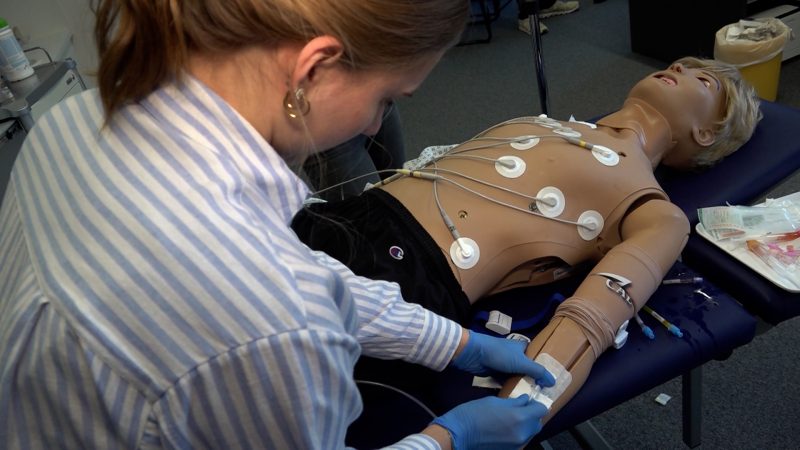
756, 48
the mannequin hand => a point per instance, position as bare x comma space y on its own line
493, 422
483, 354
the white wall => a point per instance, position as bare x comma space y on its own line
63, 27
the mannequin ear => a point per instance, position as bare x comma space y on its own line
704, 137
322, 51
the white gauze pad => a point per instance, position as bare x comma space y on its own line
544, 395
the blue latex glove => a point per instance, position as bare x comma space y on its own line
484, 354
493, 422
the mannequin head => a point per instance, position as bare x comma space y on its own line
711, 109
740, 115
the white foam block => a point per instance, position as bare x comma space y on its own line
499, 323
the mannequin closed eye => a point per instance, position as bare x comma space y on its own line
709, 81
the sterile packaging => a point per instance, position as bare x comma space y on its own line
765, 237
745, 222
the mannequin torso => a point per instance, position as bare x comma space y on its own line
517, 247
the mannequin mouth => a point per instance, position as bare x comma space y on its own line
667, 79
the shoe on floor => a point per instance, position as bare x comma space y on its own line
559, 8
524, 25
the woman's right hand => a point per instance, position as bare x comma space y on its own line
493, 422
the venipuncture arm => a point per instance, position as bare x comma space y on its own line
584, 325
652, 237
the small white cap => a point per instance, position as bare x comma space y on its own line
622, 336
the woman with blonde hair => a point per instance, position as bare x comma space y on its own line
152, 293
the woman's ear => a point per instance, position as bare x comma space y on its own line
704, 137
320, 52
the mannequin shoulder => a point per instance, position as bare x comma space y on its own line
655, 213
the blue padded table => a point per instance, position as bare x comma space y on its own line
771, 155
712, 330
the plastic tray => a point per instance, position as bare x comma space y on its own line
740, 252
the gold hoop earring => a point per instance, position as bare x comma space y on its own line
296, 104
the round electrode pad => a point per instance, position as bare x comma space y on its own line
465, 253
567, 131
505, 169
605, 155
525, 144
552, 195
590, 225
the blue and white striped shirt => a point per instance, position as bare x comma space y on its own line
152, 294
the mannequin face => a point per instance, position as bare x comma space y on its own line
691, 101
346, 103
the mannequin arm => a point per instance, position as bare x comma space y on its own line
584, 325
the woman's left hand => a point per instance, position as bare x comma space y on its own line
483, 355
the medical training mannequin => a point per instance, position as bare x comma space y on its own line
532, 198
